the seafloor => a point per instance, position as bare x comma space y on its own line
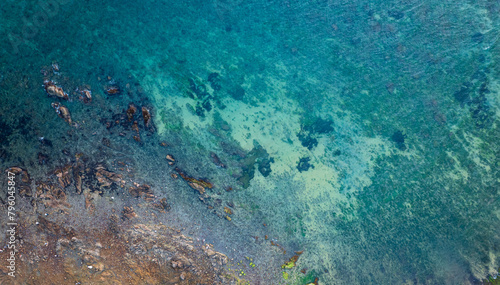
251, 142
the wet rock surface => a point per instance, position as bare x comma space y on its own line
132, 254
304, 164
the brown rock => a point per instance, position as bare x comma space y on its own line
23, 180
197, 187
89, 202
146, 116
106, 178
86, 96
131, 111
77, 177
216, 160
197, 184
128, 213
171, 159
142, 190
54, 228
62, 111
135, 126
63, 175
113, 90
53, 197
162, 205
54, 90
106, 142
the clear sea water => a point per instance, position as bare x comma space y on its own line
379, 122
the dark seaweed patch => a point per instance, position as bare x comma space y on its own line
304, 164
320, 126
199, 110
43, 158
207, 105
463, 95
45, 142
477, 38
398, 15
5, 133
264, 166
23, 125
307, 140
199, 90
214, 80
238, 93
473, 94
258, 155
310, 132
399, 139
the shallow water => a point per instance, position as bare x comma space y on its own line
393, 107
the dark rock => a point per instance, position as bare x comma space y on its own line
310, 132
5, 133
477, 38
304, 164
214, 80
162, 205
398, 15
43, 158
106, 142
237, 93
463, 95
399, 138
199, 90
473, 94
306, 140
199, 110
216, 160
206, 105
3, 154
258, 155
265, 166
45, 142
479, 110
248, 174
320, 126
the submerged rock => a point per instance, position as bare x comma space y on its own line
22, 179
146, 115
311, 130
196, 184
238, 93
62, 111
216, 160
53, 90
399, 139
258, 155
113, 90
131, 111
214, 80
304, 164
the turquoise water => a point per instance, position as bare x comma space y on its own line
393, 107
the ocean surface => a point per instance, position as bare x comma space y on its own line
361, 136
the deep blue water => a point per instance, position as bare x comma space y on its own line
364, 133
